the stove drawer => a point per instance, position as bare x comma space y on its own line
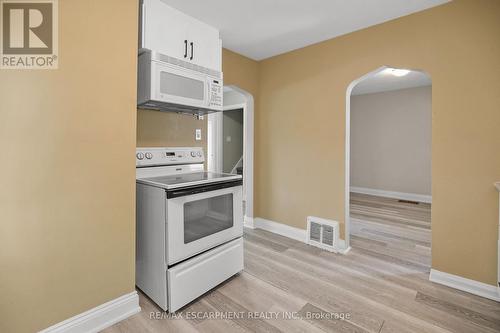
194, 277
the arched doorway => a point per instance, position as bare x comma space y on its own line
380, 210
235, 98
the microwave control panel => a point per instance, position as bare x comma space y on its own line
216, 93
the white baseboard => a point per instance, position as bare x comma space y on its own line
391, 194
342, 248
344, 251
100, 317
290, 232
280, 229
248, 222
467, 285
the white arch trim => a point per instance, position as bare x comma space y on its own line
248, 147
350, 88
347, 224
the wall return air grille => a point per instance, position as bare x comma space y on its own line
322, 233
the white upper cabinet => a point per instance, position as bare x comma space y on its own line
168, 31
205, 46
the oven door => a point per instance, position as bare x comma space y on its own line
201, 218
177, 85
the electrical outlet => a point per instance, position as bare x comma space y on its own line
198, 134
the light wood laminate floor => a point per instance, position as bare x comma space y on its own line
381, 285
397, 230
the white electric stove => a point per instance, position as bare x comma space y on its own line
189, 225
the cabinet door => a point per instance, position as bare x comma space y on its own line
164, 29
206, 47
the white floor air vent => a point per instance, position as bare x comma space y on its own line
322, 233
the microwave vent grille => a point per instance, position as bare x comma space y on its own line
187, 65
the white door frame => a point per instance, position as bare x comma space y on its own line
215, 142
347, 195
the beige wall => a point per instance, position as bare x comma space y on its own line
67, 193
300, 126
169, 129
391, 141
241, 71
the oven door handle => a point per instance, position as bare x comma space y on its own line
182, 192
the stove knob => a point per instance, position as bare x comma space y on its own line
193, 154
199, 154
140, 156
149, 156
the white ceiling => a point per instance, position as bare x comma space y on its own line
260, 29
385, 81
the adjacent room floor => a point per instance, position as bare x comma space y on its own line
397, 230
381, 285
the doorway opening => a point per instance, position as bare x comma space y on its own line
388, 165
230, 142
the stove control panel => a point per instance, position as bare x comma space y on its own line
146, 157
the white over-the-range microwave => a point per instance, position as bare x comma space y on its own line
168, 84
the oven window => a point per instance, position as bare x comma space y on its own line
208, 216
176, 85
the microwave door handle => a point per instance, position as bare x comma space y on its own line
192, 51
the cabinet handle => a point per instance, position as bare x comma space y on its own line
185, 48
192, 51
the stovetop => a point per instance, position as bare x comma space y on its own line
188, 179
